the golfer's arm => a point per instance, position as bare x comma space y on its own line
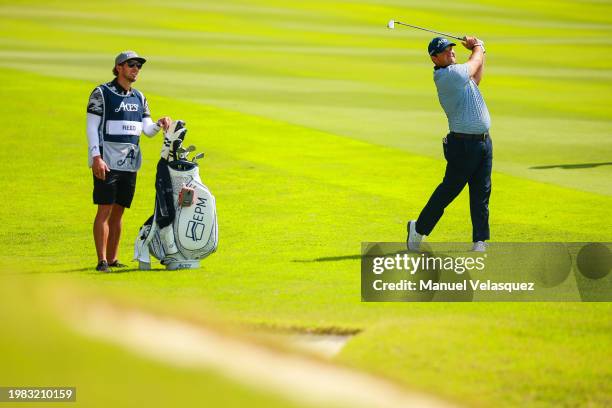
478, 74
93, 140
476, 63
479, 71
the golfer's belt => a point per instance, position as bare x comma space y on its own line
470, 136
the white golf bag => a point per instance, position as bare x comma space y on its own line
183, 227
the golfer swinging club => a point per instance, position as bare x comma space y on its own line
116, 115
467, 147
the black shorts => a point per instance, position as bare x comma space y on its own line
117, 188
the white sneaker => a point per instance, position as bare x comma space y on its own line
414, 238
480, 246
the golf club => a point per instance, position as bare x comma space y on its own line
197, 157
189, 149
183, 153
392, 24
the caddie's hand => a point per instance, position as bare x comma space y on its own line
99, 168
164, 122
469, 42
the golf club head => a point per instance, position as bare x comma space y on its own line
178, 129
391, 24
176, 145
197, 157
183, 153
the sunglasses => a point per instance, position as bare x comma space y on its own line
133, 64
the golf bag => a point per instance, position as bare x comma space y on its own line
183, 227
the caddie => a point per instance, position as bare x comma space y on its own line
116, 116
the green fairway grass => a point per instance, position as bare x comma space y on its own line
41, 351
322, 130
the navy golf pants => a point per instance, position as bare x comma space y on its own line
469, 162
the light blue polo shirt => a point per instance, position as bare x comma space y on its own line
461, 100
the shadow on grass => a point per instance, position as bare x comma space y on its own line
92, 271
348, 257
129, 270
329, 259
571, 166
87, 269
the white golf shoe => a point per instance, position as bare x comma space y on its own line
414, 238
479, 246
